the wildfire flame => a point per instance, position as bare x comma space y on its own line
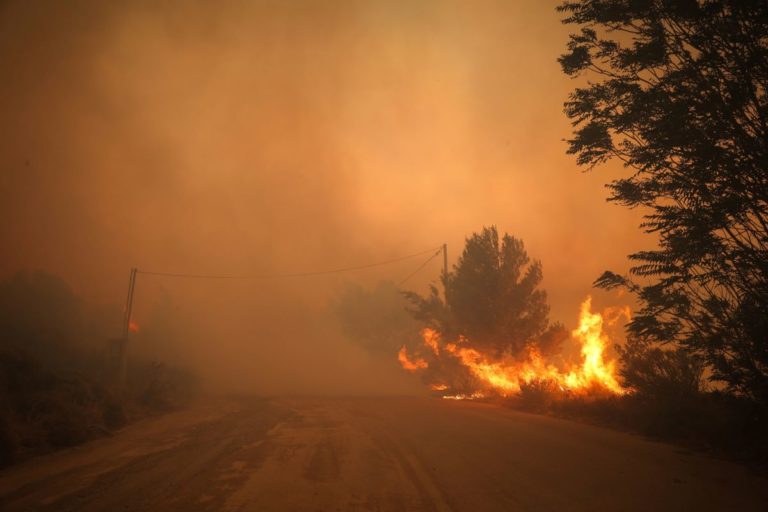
416, 364
431, 340
506, 376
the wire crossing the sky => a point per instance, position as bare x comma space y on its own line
435, 255
295, 274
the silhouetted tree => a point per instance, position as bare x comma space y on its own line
672, 374
677, 92
492, 298
376, 318
40, 314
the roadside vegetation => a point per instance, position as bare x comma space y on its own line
55, 386
677, 92
715, 421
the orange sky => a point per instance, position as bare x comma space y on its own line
244, 137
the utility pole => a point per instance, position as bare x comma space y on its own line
445, 261
118, 346
129, 302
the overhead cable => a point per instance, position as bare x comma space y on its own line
290, 274
421, 266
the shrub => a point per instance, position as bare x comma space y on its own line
657, 373
540, 394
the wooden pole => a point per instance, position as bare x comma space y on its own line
120, 344
445, 261
129, 302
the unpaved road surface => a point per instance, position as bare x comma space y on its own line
376, 454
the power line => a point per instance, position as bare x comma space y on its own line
292, 274
421, 266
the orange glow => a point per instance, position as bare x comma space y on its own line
594, 369
471, 396
416, 364
133, 326
506, 376
430, 340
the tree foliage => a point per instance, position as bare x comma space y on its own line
492, 298
677, 92
376, 318
660, 373
40, 314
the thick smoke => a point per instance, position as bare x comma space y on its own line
268, 137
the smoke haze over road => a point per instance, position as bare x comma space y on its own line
262, 137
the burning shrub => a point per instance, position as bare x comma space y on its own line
493, 327
492, 299
532, 373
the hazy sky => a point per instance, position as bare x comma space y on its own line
257, 136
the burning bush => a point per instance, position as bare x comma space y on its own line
492, 299
491, 335
530, 374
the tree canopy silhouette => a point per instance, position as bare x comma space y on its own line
41, 315
492, 298
677, 93
375, 318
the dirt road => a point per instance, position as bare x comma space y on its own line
376, 454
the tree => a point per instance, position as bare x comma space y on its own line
41, 315
677, 93
660, 373
492, 298
376, 319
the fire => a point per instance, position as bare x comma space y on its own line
507, 376
133, 326
430, 340
471, 396
416, 364
593, 343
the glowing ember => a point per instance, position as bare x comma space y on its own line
133, 326
507, 375
471, 396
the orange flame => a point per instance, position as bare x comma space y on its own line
133, 326
416, 364
594, 370
507, 375
430, 340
